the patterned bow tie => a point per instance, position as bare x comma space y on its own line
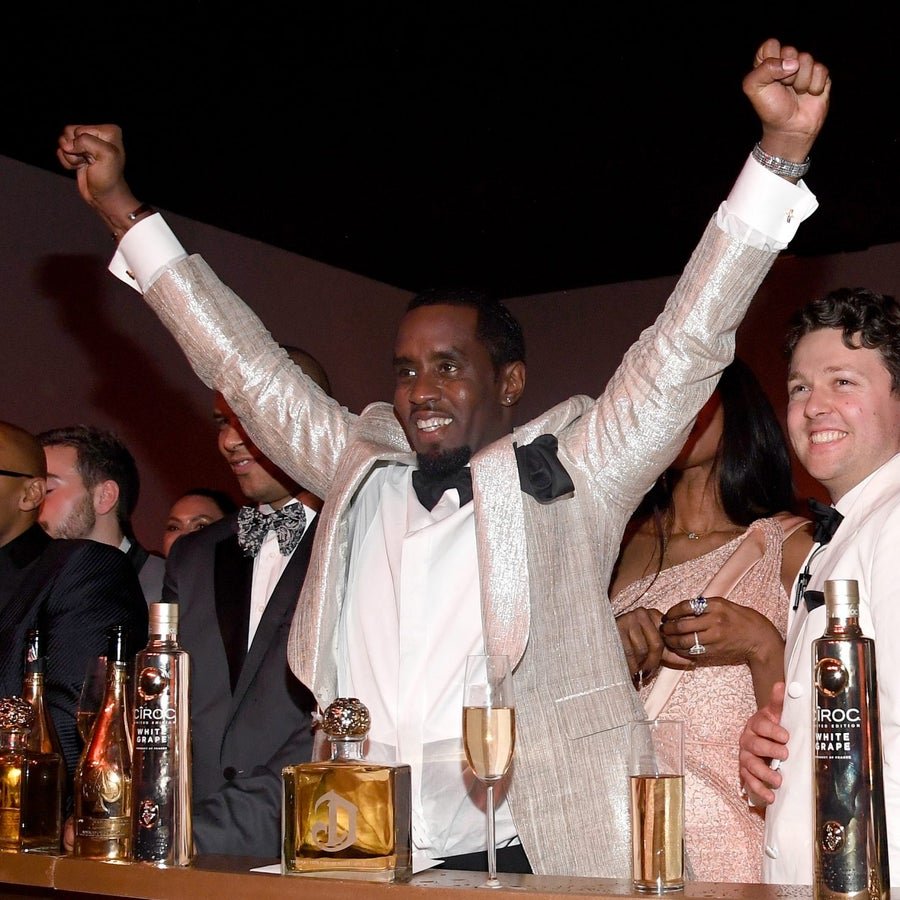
430, 488
827, 521
289, 523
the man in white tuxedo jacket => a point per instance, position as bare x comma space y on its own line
844, 423
399, 589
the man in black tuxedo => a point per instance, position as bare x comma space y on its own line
72, 590
237, 582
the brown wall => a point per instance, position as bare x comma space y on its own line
78, 346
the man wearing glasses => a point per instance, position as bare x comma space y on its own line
72, 590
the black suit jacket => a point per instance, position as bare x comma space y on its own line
73, 591
250, 716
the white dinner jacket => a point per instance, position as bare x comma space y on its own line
865, 548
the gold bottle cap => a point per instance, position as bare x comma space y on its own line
16, 713
163, 618
842, 598
346, 717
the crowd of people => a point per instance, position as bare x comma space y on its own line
374, 552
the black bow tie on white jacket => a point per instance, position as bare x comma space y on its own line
827, 520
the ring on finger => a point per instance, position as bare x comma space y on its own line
698, 605
698, 649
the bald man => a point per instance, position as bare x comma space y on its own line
72, 590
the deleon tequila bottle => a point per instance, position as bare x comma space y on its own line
346, 816
162, 751
851, 849
16, 719
103, 776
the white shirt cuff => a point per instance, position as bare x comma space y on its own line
145, 250
764, 209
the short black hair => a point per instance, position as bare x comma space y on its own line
874, 318
101, 455
497, 328
220, 498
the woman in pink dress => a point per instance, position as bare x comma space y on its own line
731, 483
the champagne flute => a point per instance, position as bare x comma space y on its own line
91, 697
489, 733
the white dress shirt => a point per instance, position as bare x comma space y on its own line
762, 210
268, 567
412, 615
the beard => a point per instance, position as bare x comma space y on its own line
79, 523
444, 462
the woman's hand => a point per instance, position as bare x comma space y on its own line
730, 635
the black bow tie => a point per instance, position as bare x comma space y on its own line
430, 488
813, 600
541, 475
289, 523
827, 521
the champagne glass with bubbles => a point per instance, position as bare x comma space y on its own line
489, 733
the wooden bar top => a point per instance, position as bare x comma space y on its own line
226, 877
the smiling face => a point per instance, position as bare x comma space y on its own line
843, 418
259, 480
447, 394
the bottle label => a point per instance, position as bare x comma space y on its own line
148, 813
103, 786
153, 728
109, 829
154, 716
334, 828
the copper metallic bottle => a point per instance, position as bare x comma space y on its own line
16, 719
850, 839
103, 777
161, 764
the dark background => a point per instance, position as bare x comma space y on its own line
519, 147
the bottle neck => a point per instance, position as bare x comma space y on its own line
116, 678
843, 626
14, 739
163, 639
33, 686
347, 748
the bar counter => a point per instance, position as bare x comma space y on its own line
224, 878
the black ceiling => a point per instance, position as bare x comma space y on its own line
518, 147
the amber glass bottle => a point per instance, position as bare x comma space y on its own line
45, 773
347, 817
162, 745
